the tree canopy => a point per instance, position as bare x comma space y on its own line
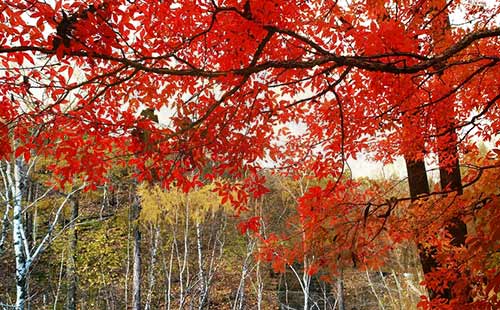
185, 91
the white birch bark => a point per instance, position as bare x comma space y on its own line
168, 277
18, 233
201, 273
216, 255
340, 291
136, 277
182, 259
258, 274
260, 285
155, 234
374, 291
239, 300
5, 217
127, 266
26, 255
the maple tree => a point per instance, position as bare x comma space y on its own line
362, 76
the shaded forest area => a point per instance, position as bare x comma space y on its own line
124, 246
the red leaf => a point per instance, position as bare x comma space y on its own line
251, 224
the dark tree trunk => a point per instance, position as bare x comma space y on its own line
417, 177
450, 179
418, 184
449, 174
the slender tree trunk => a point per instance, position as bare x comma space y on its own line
184, 279
201, 272
155, 235
127, 267
340, 291
306, 278
168, 277
26, 255
173, 248
18, 236
374, 291
218, 247
5, 225
71, 267
34, 229
239, 300
260, 285
258, 274
5, 216
306, 281
59, 282
136, 284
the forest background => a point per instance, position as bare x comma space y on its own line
221, 186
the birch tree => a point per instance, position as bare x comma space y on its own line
183, 212
16, 173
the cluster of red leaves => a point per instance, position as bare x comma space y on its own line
335, 226
226, 77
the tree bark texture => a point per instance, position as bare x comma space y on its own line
136, 284
71, 268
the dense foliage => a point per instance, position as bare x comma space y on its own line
188, 92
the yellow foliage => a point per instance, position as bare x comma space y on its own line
160, 205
